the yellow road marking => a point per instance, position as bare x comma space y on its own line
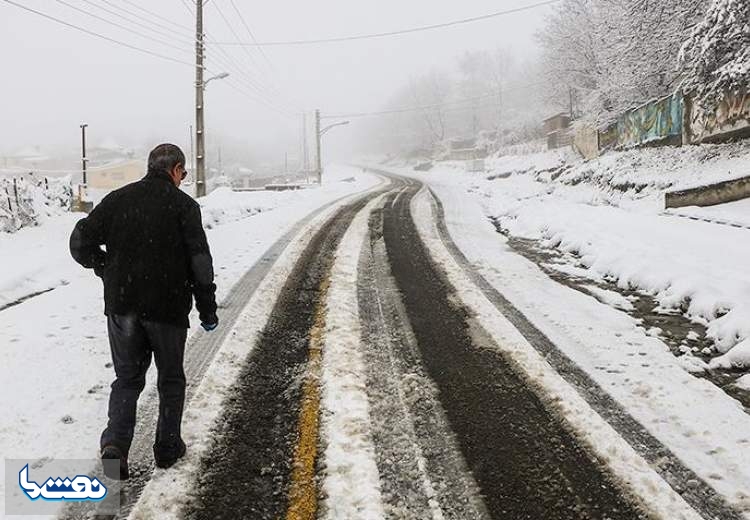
303, 493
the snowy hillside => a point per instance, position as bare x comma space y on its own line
606, 216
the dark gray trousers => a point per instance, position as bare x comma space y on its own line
132, 341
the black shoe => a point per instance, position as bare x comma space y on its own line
166, 456
114, 453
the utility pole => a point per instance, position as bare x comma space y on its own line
305, 152
570, 96
221, 168
499, 105
318, 135
192, 150
83, 152
317, 144
200, 143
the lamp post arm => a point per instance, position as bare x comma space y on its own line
327, 128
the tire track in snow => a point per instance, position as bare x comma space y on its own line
423, 472
200, 350
695, 491
525, 460
247, 472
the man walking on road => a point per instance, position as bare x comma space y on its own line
156, 260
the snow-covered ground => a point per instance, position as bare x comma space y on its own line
609, 215
54, 356
735, 214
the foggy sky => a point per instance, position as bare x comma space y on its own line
56, 78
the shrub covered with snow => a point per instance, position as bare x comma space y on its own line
26, 200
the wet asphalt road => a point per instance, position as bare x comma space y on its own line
457, 432
527, 465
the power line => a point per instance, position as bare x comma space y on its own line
97, 35
272, 87
256, 92
118, 25
279, 110
261, 93
271, 68
390, 33
234, 33
160, 17
262, 89
252, 36
140, 49
139, 18
187, 39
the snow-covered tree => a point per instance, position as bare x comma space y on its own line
717, 54
572, 43
608, 55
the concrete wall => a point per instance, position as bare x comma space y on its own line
729, 118
586, 141
719, 193
672, 120
608, 137
658, 121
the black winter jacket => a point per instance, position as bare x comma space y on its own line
156, 257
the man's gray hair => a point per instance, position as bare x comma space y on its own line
164, 158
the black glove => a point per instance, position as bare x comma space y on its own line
209, 322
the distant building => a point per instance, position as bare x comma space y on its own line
26, 159
557, 130
557, 122
460, 150
116, 175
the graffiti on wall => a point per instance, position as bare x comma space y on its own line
653, 122
732, 114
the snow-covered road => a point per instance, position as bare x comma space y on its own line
54, 345
389, 352
412, 430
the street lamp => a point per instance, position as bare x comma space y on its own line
327, 128
319, 133
218, 76
200, 138
83, 151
